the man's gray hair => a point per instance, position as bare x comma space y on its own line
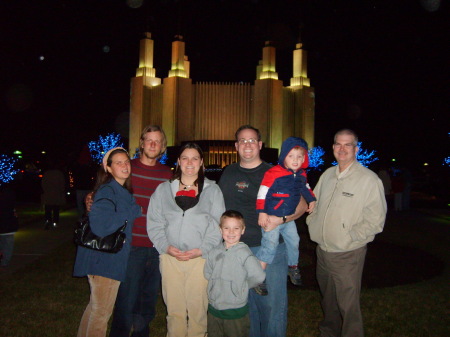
347, 132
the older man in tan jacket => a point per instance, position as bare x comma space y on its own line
350, 211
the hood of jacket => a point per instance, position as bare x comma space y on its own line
288, 145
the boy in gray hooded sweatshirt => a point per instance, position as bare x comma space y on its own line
231, 270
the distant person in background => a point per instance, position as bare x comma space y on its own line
53, 197
385, 178
408, 182
8, 223
398, 186
83, 179
113, 205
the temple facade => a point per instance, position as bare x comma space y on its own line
209, 113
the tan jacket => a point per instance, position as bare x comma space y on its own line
350, 210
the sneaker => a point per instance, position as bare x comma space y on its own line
294, 276
261, 289
55, 225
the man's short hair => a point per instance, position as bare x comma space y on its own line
245, 127
231, 214
153, 128
347, 132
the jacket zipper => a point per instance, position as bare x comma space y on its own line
326, 213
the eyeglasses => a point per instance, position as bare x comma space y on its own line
250, 141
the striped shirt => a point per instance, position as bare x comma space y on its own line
145, 179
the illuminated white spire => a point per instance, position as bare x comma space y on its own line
266, 69
180, 64
300, 76
146, 69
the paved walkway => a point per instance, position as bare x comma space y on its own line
32, 242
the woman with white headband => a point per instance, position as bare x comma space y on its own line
113, 205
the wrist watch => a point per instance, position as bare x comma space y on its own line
284, 218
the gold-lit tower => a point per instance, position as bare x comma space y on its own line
210, 112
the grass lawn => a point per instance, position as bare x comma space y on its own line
45, 300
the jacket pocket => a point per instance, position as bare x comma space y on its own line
278, 204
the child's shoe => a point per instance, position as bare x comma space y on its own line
261, 289
294, 275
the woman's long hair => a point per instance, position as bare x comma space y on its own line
105, 177
201, 172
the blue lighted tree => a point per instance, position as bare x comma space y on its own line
446, 161
365, 157
99, 147
7, 170
137, 153
315, 155
164, 158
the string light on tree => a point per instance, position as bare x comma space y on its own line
364, 157
163, 159
99, 147
7, 170
315, 155
446, 161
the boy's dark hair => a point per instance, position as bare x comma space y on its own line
234, 215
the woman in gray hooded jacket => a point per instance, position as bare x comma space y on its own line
183, 224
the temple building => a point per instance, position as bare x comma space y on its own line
209, 113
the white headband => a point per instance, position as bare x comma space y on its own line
106, 156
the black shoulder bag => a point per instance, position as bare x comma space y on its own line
111, 243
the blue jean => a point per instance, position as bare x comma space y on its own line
138, 294
268, 314
6, 248
269, 243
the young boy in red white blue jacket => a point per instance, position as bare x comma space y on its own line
279, 194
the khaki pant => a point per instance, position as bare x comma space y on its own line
339, 277
184, 292
96, 316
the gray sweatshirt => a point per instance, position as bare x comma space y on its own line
230, 274
198, 227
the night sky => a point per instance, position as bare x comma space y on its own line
379, 67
